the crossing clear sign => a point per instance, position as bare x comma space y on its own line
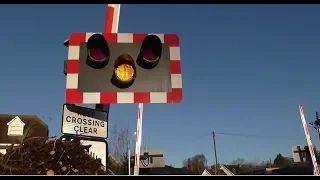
84, 121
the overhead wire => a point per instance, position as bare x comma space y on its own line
256, 136
243, 135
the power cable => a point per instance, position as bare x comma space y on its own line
244, 135
250, 136
255, 136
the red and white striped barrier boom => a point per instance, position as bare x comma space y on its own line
311, 149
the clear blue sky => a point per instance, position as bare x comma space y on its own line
245, 70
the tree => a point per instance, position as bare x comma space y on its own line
279, 160
244, 165
195, 165
120, 142
266, 164
114, 167
239, 161
283, 162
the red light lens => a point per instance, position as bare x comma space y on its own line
148, 55
97, 55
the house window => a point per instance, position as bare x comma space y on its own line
15, 130
15, 127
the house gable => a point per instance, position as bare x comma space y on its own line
34, 127
206, 173
226, 170
15, 127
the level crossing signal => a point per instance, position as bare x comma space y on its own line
123, 68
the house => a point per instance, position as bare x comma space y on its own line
293, 171
225, 170
257, 171
230, 170
206, 173
16, 128
167, 170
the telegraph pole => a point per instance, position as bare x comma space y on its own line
215, 153
316, 124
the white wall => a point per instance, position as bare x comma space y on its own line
3, 151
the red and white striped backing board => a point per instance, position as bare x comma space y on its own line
73, 96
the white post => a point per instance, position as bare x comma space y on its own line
129, 162
138, 140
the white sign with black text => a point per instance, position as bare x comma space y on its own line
84, 121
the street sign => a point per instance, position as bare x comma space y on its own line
98, 149
114, 68
84, 121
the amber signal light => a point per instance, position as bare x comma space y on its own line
124, 71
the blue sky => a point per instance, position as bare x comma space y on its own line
245, 70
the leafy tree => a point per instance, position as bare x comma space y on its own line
281, 161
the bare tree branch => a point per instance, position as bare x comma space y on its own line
196, 164
120, 141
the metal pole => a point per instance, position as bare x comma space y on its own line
215, 153
129, 162
317, 124
318, 129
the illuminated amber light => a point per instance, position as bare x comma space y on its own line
124, 72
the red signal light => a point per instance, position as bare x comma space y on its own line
150, 52
98, 51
